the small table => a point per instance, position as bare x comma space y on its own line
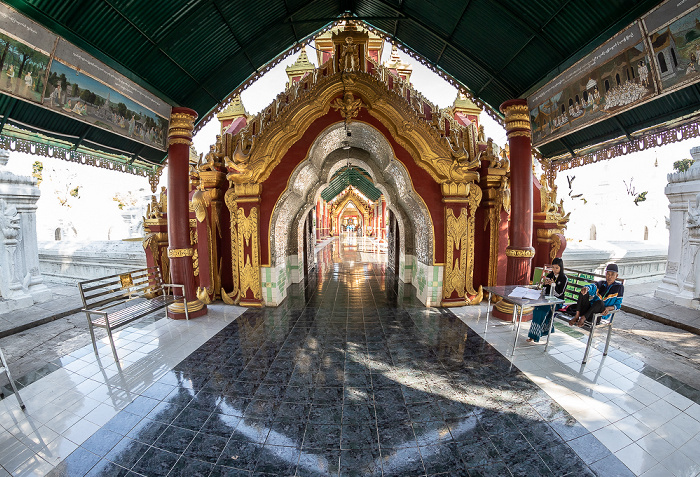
504, 291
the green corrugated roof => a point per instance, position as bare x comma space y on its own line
350, 176
194, 53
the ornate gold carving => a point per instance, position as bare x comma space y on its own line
249, 264
556, 245
445, 149
199, 204
516, 252
248, 189
459, 271
230, 200
478, 298
192, 306
349, 107
553, 211
180, 140
193, 243
520, 134
455, 189
507, 308
228, 297
203, 295
517, 116
362, 206
180, 252
455, 270
154, 178
500, 199
181, 126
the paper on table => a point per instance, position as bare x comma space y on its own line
522, 292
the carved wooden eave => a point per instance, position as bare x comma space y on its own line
446, 150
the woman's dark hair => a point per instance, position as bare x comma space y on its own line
558, 261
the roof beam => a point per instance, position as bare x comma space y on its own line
454, 29
82, 137
622, 128
325, 20
233, 34
533, 30
567, 146
259, 33
534, 35
8, 111
511, 90
150, 40
294, 30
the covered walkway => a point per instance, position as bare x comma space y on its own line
351, 375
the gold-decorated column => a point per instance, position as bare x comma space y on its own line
520, 250
247, 197
179, 248
461, 201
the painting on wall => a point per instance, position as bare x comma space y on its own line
77, 94
614, 78
676, 48
22, 68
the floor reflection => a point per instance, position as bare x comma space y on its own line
350, 376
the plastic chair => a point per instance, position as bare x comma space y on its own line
5, 369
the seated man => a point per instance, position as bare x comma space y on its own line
603, 296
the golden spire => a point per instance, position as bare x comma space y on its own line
396, 63
300, 66
234, 110
465, 105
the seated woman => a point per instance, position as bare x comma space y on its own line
542, 314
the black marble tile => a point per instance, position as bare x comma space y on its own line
346, 377
155, 462
322, 436
101, 442
278, 460
317, 462
191, 418
325, 413
174, 439
127, 452
360, 462
441, 458
206, 447
122, 423
188, 467
240, 454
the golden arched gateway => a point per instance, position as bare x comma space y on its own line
256, 195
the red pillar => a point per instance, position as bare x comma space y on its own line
383, 220
319, 225
179, 247
324, 217
520, 250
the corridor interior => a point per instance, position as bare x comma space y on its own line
351, 375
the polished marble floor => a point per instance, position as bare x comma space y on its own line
350, 376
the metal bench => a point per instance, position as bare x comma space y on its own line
576, 280
144, 286
5, 369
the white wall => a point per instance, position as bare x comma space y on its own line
609, 206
